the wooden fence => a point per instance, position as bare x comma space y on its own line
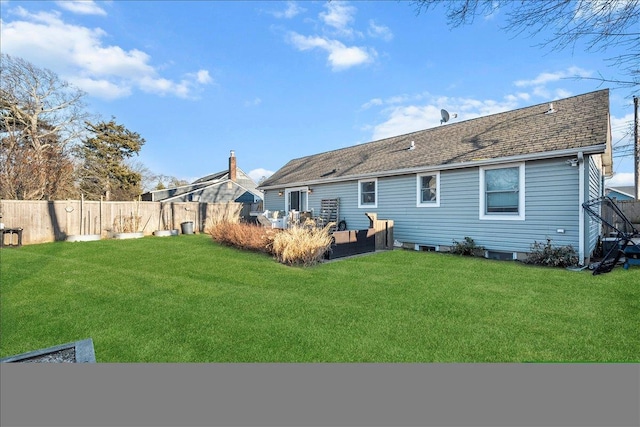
630, 209
48, 221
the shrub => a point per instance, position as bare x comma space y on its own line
302, 245
468, 247
548, 255
244, 236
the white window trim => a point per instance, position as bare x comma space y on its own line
521, 196
286, 197
419, 202
369, 205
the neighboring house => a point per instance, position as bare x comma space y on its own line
231, 185
506, 180
621, 193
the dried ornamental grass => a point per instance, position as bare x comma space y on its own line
302, 245
243, 236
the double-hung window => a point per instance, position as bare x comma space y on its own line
502, 192
428, 189
368, 193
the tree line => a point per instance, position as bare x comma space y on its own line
52, 148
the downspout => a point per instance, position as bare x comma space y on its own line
581, 214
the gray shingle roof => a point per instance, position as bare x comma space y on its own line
579, 121
243, 181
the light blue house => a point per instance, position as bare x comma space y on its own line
506, 180
621, 193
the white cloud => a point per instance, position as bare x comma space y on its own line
203, 77
291, 11
542, 85
545, 78
518, 96
253, 103
398, 99
407, 119
259, 173
82, 7
372, 103
78, 54
339, 16
162, 86
622, 129
102, 88
402, 119
621, 179
340, 56
491, 16
336, 24
379, 31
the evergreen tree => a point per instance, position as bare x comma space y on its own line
104, 171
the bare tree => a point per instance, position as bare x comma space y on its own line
162, 182
600, 24
148, 178
40, 117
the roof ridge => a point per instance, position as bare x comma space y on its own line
578, 121
452, 124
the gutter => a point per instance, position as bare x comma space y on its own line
594, 149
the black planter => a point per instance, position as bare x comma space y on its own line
352, 242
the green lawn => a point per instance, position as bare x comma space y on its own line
188, 299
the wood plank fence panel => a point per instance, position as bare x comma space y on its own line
629, 208
48, 221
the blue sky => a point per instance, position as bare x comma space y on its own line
276, 80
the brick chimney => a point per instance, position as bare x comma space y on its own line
232, 166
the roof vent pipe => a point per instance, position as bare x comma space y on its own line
551, 110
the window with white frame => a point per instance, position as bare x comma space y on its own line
428, 189
502, 192
368, 193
